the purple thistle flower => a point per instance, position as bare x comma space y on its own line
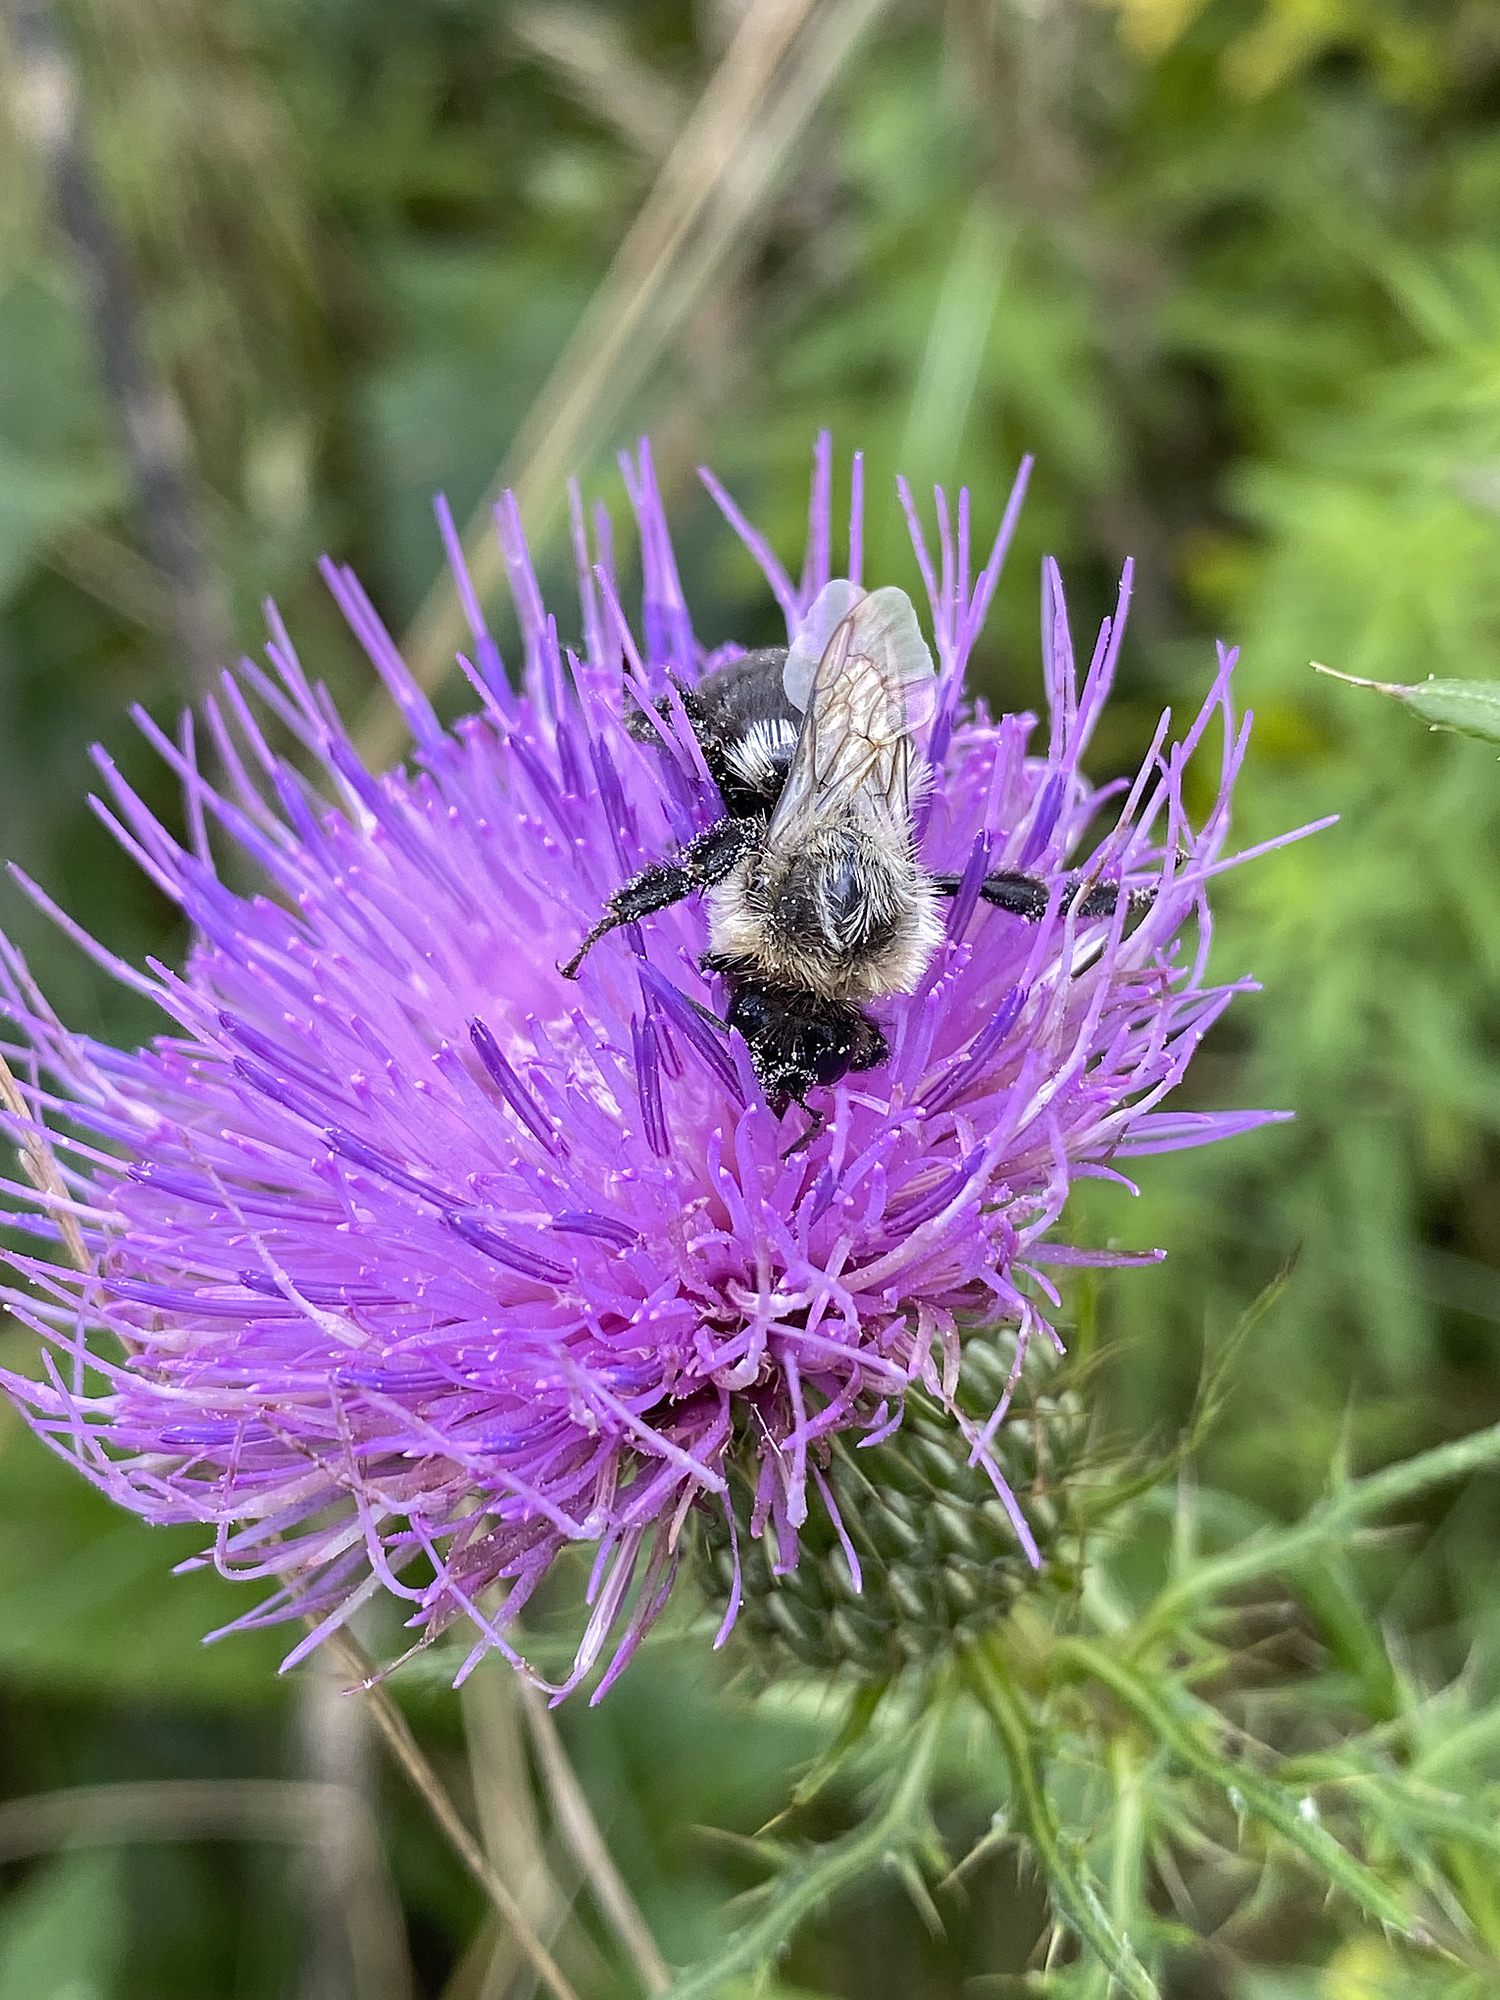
411, 1264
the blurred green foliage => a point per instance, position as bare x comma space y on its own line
1232, 271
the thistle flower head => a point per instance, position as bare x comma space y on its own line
410, 1263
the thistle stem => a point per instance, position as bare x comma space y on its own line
1065, 1871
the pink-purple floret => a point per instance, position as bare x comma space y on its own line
413, 1264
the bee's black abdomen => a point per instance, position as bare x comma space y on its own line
797, 1039
748, 690
868, 1046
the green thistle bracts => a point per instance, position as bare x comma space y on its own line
939, 1555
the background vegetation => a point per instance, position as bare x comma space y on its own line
272, 271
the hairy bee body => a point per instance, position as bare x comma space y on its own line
843, 917
817, 903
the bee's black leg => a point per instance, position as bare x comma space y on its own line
816, 1122
1104, 899
701, 864
1022, 895
1100, 901
1026, 895
655, 888
707, 1014
639, 725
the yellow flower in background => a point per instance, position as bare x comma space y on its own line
1364, 1969
1150, 27
1289, 36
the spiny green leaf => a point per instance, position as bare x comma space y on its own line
1352, 1632
1190, 1730
1470, 707
1327, 1525
899, 1826
1399, 1800
856, 1727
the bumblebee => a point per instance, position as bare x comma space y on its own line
817, 902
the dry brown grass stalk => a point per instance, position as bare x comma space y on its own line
429, 1787
711, 187
512, 1834
588, 52
576, 1822
42, 1169
273, 1809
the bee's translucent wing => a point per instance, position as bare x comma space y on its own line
828, 611
872, 688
